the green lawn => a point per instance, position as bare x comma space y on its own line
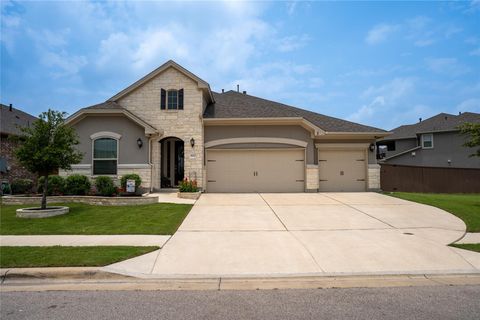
464, 206
468, 246
27, 257
158, 218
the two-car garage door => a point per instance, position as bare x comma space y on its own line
274, 170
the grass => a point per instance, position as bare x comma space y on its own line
158, 218
464, 206
29, 257
468, 246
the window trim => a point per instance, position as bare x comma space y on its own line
101, 135
422, 140
168, 104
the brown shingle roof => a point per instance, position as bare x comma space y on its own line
12, 120
440, 122
233, 104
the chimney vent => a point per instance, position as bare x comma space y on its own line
10, 108
419, 119
459, 112
223, 90
238, 88
244, 92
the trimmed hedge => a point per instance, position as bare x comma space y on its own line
105, 186
77, 184
22, 186
56, 185
131, 176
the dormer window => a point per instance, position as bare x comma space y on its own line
171, 99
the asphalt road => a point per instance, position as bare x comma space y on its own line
439, 302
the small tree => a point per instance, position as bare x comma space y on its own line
47, 146
473, 132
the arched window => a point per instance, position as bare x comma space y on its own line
105, 156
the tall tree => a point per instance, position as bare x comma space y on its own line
47, 146
473, 132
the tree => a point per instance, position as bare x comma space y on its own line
47, 146
473, 132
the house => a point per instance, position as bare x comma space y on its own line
11, 120
434, 142
169, 125
429, 156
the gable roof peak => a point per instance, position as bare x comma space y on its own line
202, 84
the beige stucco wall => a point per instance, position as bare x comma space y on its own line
184, 124
129, 152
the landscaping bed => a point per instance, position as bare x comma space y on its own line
464, 206
57, 256
93, 200
83, 219
467, 246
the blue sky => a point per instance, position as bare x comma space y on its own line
377, 63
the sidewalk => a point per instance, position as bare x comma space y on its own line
470, 237
85, 240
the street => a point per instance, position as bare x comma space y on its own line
429, 302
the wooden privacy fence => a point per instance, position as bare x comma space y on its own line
429, 179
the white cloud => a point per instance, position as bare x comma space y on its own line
368, 111
391, 91
62, 63
380, 33
448, 66
316, 82
424, 42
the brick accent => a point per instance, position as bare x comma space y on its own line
7, 148
183, 124
373, 177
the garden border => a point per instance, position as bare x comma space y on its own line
93, 200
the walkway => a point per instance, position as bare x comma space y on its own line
85, 240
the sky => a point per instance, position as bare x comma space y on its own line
382, 64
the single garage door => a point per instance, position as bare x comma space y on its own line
342, 170
279, 170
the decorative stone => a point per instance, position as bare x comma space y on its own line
39, 213
189, 195
93, 200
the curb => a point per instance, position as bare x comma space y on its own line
78, 279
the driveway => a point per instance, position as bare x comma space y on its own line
308, 234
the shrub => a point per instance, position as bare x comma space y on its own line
77, 184
131, 176
5, 189
56, 185
105, 186
22, 186
188, 185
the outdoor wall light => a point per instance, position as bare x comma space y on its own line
192, 142
372, 147
139, 142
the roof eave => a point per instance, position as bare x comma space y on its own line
82, 113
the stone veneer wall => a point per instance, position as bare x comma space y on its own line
373, 177
184, 124
143, 171
312, 178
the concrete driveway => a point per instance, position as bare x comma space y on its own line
308, 234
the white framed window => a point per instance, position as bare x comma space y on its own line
172, 99
427, 141
105, 156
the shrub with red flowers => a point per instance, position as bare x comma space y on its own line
188, 185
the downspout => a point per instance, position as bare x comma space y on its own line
150, 161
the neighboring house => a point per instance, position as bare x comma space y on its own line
434, 142
11, 120
170, 125
429, 156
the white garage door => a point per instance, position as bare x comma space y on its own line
279, 170
342, 170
